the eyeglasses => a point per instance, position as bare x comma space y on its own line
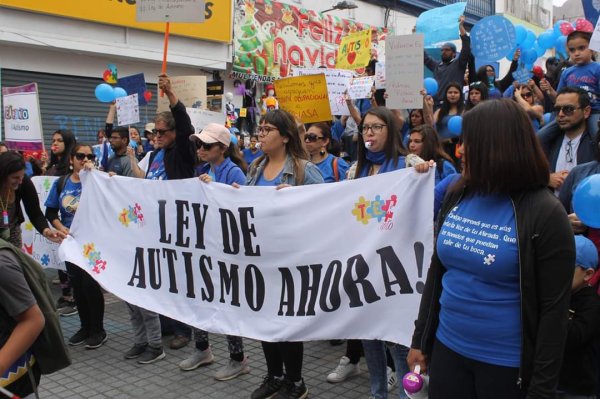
569, 151
264, 130
80, 156
206, 146
376, 129
526, 95
312, 138
161, 132
566, 109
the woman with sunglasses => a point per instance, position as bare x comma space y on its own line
63, 199
478, 92
318, 144
493, 316
283, 164
524, 97
223, 163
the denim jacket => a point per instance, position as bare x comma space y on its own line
312, 174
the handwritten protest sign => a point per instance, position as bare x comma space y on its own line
361, 87
134, 84
522, 74
45, 252
337, 84
354, 51
128, 110
404, 71
22, 118
191, 91
595, 40
440, 24
305, 97
493, 38
380, 75
169, 10
202, 117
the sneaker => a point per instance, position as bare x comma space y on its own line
79, 337
336, 342
135, 351
197, 359
268, 389
151, 355
232, 370
65, 307
392, 380
96, 340
343, 371
292, 390
179, 341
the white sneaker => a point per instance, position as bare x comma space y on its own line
232, 370
392, 380
343, 371
197, 359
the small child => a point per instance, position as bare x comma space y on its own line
579, 372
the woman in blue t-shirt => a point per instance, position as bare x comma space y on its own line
63, 199
319, 144
283, 164
424, 142
493, 316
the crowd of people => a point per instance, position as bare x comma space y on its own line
524, 323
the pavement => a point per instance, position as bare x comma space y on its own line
103, 373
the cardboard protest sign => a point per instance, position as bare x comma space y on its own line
440, 24
191, 91
169, 10
22, 118
134, 84
337, 84
493, 38
305, 97
202, 117
361, 87
128, 110
354, 51
404, 71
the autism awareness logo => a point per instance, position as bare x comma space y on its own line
132, 215
94, 258
377, 209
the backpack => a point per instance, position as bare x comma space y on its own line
49, 348
60, 185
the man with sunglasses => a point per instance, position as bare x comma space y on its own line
568, 142
120, 163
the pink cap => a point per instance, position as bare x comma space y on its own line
214, 133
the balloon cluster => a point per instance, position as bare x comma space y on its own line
104, 91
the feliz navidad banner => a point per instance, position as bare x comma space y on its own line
258, 262
271, 37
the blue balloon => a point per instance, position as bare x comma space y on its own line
529, 40
529, 56
511, 54
234, 138
561, 46
431, 86
586, 201
521, 33
546, 40
547, 118
104, 93
455, 125
540, 51
119, 92
556, 28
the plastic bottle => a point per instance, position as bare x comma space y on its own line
416, 385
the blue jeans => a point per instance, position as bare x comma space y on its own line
377, 364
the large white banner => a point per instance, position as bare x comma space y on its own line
343, 260
34, 244
22, 119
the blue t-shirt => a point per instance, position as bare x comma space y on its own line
156, 170
480, 301
447, 169
326, 168
261, 181
586, 77
249, 157
66, 201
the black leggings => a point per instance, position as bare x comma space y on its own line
278, 354
88, 298
454, 376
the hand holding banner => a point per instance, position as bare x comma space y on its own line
305, 97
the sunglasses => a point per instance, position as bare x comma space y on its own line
312, 138
567, 110
526, 95
161, 132
80, 156
206, 146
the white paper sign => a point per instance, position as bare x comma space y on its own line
337, 80
190, 90
404, 71
169, 11
595, 40
45, 252
226, 260
380, 75
22, 118
202, 117
128, 110
361, 87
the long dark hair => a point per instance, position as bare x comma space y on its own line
10, 162
432, 147
504, 156
74, 151
412, 111
233, 152
445, 108
481, 87
393, 144
334, 146
61, 164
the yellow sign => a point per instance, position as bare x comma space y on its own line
354, 51
217, 14
305, 97
243, 112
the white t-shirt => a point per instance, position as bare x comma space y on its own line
567, 156
143, 164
